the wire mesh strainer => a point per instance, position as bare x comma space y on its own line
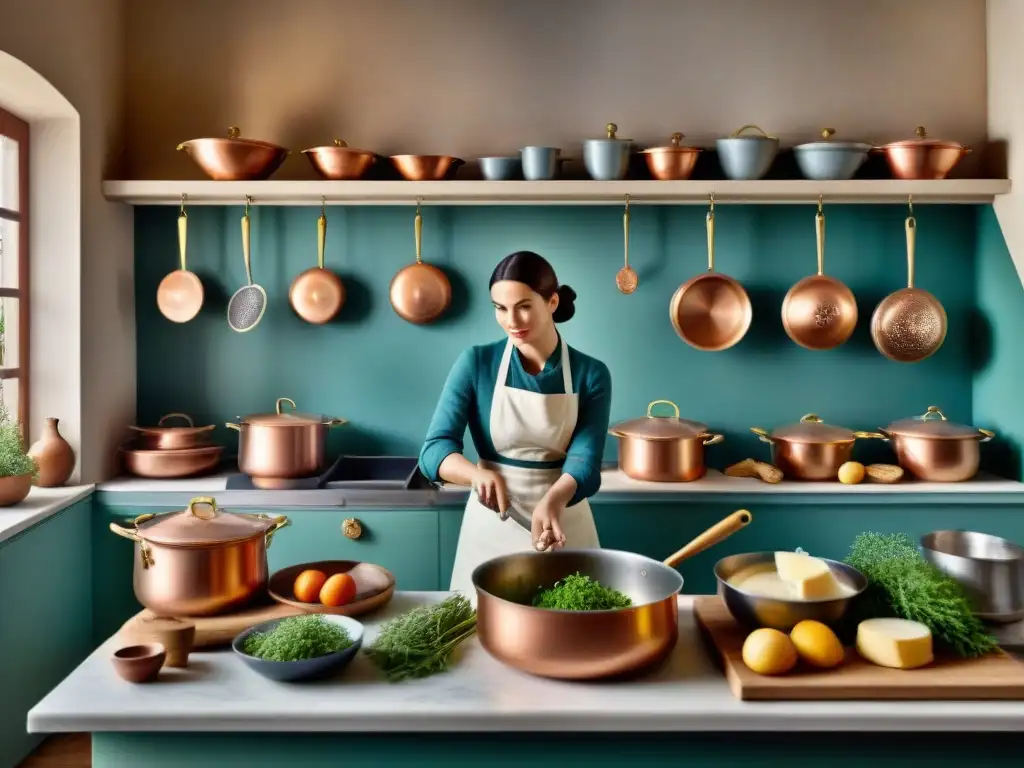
245, 309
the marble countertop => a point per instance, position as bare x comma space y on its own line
40, 504
217, 692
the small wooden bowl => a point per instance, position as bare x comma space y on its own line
175, 635
139, 663
375, 586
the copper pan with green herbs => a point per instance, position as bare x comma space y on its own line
582, 614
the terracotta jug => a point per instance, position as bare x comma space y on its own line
54, 455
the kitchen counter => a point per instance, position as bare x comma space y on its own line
40, 504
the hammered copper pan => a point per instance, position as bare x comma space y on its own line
711, 312
584, 645
420, 292
317, 295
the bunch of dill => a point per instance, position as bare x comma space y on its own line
902, 583
298, 638
421, 642
580, 593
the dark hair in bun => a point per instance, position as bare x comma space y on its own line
533, 270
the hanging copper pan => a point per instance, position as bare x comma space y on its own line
711, 312
420, 292
819, 312
317, 295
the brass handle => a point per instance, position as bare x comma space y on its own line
321, 236
611, 128
232, 425
184, 416
920, 132
828, 133
988, 435
234, 132
142, 519
352, 528
625, 231
335, 422
182, 235
869, 435
124, 533
650, 407
246, 240
714, 439
340, 143
739, 131
277, 404
819, 233
676, 138
279, 522
883, 435
810, 417
207, 501
911, 227
711, 234
763, 434
418, 231
933, 410
713, 535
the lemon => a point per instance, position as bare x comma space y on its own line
851, 473
769, 652
817, 644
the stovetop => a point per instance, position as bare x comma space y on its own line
365, 473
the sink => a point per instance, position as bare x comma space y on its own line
383, 473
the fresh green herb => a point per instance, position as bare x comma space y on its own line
421, 642
581, 593
14, 461
298, 638
902, 583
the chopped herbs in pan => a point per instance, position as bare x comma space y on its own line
581, 593
298, 638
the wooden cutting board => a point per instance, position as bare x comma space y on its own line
213, 631
997, 676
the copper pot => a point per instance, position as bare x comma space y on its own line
202, 561
425, 167
922, 158
811, 449
663, 449
671, 163
172, 438
930, 447
584, 645
340, 162
169, 464
281, 446
234, 158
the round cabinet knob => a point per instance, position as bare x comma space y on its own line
352, 528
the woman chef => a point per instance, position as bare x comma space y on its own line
538, 413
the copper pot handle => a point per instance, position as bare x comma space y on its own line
740, 131
335, 422
763, 434
206, 501
650, 407
184, 416
988, 435
277, 405
279, 522
713, 535
713, 439
811, 417
124, 533
232, 425
869, 435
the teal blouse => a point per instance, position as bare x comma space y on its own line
466, 400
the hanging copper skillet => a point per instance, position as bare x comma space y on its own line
318, 294
819, 312
420, 292
180, 294
711, 312
910, 324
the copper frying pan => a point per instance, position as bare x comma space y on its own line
317, 295
420, 292
819, 312
180, 294
712, 311
584, 645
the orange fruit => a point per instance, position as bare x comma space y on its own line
307, 585
338, 590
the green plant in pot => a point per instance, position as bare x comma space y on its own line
17, 468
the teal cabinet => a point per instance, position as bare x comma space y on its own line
45, 618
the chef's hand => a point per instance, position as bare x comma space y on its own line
546, 518
490, 487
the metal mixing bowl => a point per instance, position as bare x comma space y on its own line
990, 569
755, 611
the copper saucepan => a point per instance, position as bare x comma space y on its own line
317, 295
170, 438
420, 292
819, 312
711, 312
585, 645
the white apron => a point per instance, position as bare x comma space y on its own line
526, 426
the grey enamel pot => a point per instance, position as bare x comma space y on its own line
500, 168
540, 163
830, 160
607, 159
745, 158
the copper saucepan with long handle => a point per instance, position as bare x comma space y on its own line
420, 293
584, 645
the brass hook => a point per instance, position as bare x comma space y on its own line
184, 198
323, 206
418, 201
820, 198
910, 203
248, 202
711, 210
627, 203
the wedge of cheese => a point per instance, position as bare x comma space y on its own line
895, 643
808, 577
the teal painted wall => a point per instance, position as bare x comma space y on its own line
384, 375
998, 352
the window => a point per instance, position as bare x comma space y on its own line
14, 289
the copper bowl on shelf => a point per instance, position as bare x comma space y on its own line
922, 158
425, 167
168, 464
235, 158
671, 163
339, 162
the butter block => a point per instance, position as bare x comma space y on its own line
809, 577
896, 643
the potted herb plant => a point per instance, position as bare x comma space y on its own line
17, 468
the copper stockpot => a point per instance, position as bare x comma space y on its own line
234, 158
201, 561
340, 162
930, 447
425, 167
585, 645
165, 438
922, 158
280, 446
671, 163
811, 449
663, 449
172, 463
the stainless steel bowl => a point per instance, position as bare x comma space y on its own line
755, 611
990, 569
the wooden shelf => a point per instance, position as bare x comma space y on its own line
964, 191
